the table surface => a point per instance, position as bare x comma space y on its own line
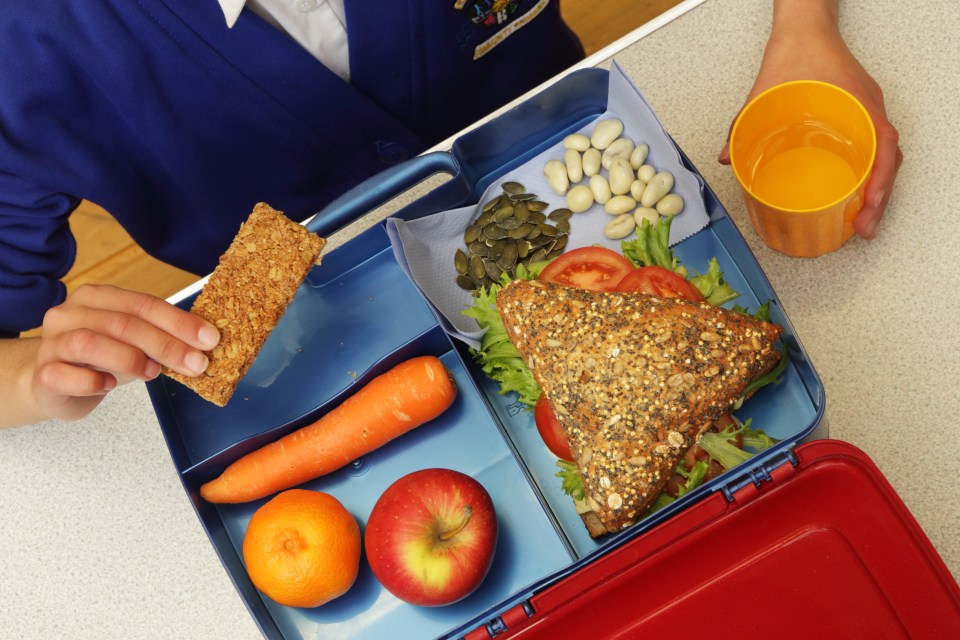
98, 540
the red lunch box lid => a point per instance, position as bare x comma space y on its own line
825, 548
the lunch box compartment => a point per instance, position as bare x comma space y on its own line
463, 438
358, 314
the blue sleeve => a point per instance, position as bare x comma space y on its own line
36, 250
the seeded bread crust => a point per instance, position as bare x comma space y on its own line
247, 294
633, 379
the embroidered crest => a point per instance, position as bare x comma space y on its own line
491, 13
502, 15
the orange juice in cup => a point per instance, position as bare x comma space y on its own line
802, 152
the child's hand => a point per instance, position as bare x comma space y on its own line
805, 44
102, 336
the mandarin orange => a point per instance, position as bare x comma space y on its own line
302, 548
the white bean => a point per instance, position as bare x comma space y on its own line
646, 172
670, 205
600, 188
606, 132
620, 227
619, 148
636, 189
658, 187
574, 164
591, 162
621, 176
556, 174
619, 204
579, 198
639, 155
646, 213
576, 141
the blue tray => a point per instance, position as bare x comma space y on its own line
358, 315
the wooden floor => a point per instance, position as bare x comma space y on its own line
106, 254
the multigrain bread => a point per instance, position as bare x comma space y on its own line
247, 294
633, 380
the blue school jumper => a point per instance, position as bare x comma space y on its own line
177, 125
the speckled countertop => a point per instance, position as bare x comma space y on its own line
98, 540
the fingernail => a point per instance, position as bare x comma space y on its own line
878, 200
152, 370
871, 229
208, 337
195, 362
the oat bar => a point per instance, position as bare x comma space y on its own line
247, 294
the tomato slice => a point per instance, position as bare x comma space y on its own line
659, 282
596, 268
550, 429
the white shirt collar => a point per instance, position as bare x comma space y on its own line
231, 10
319, 26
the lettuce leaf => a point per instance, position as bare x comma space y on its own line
762, 312
651, 247
694, 479
712, 285
719, 447
497, 356
770, 378
571, 480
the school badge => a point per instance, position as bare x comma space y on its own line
505, 16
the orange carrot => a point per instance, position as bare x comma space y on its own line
412, 393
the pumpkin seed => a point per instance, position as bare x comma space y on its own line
522, 231
476, 267
493, 232
472, 233
461, 261
512, 229
539, 240
509, 256
465, 283
539, 256
548, 230
493, 270
510, 223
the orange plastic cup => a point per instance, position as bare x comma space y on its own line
802, 152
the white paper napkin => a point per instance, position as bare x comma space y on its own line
425, 247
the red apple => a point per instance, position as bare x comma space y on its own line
431, 536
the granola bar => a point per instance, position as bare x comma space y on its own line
247, 294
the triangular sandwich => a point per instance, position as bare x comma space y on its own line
633, 379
